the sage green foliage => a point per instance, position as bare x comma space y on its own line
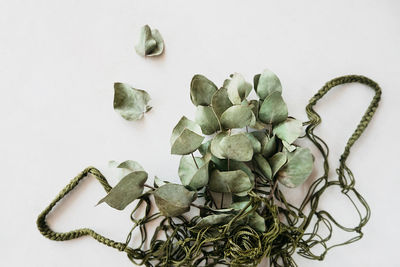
129, 102
150, 42
127, 190
173, 199
186, 137
193, 173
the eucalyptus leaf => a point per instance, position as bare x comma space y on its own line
289, 130
273, 109
131, 165
220, 101
215, 146
240, 205
297, 169
127, 190
173, 199
254, 143
238, 89
158, 182
201, 90
236, 147
257, 222
186, 137
194, 175
211, 220
268, 146
266, 83
277, 161
150, 42
237, 116
263, 165
207, 119
129, 102
288, 147
229, 182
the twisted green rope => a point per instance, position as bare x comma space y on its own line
232, 244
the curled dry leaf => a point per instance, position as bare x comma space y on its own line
129, 102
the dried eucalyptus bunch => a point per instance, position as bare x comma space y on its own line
235, 156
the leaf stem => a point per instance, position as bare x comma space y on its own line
149, 186
194, 160
271, 193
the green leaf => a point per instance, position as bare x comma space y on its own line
211, 220
254, 143
256, 222
273, 109
127, 190
297, 169
158, 182
207, 120
240, 205
186, 137
215, 146
129, 102
236, 147
237, 116
229, 182
201, 90
277, 161
131, 165
192, 175
268, 146
173, 199
220, 101
289, 130
263, 165
267, 83
150, 42
238, 89
288, 147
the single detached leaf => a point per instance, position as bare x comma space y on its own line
126, 191
263, 165
129, 102
186, 137
238, 89
289, 130
150, 42
194, 175
297, 169
173, 199
220, 101
229, 182
273, 109
237, 147
211, 220
237, 116
131, 165
201, 90
267, 83
277, 161
207, 120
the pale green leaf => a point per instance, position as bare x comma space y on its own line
173, 199
207, 120
129, 102
127, 190
237, 116
201, 90
263, 165
273, 109
238, 89
192, 175
267, 83
236, 147
297, 169
254, 143
220, 101
289, 130
268, 146
211, 220
256, 222
150, 42
277, 161
131, 165
229, 182
186, 137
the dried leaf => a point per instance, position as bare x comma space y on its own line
289, 130
263, 165
277, 161
201, 90
186, 137
266, 83
173, 199
237, 116
207, 120
297, 169
131, 165
220, 101
238, 89
229, 182
127, 190
236, 147
193, 175
211, 220
150, 42
273, 109
129, 102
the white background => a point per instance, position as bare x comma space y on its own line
58, 63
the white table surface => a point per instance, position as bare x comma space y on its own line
59, 60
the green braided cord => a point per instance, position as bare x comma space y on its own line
289, 228
46, 231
